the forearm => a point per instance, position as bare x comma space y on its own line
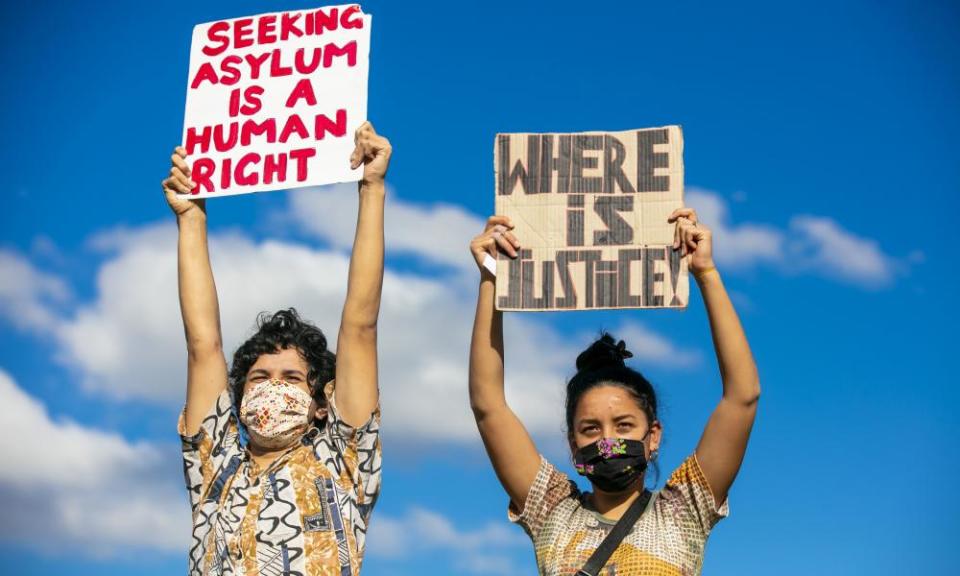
738, 370
486, 353
512, 452
365, 280
198, 293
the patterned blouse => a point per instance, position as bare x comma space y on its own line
668, 540
306, 514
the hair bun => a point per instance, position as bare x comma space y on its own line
602, 353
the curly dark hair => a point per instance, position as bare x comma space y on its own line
279, 331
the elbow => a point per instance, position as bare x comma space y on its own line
478, 404
755, 396
479, 409
359, 319
201, 348
751, 397
482, 415
484, 407
358, 329
743, 393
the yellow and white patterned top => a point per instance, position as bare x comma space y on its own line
668, 540
307, 514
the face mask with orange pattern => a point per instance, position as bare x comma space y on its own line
276, 413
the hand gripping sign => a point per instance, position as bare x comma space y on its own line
273, 100
590, 211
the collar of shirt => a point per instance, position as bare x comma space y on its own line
253, 469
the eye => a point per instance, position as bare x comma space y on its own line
625, 426
590, 429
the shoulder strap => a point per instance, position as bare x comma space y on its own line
603, 552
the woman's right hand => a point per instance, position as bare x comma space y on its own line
496, 235
179, 182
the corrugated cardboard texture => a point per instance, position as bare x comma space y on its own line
590, 211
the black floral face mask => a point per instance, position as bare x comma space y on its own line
611, 464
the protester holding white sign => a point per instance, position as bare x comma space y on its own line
613, 432
296, 498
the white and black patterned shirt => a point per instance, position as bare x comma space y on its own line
306, 514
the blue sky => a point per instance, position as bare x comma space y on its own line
820, 145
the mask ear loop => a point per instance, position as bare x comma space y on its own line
653, 453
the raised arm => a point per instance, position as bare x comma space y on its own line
724, 440
511, 450
206, 366
356, 391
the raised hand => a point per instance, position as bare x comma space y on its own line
694, 239
496, 235
179, 182
373, 151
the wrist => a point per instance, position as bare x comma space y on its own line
372, 185
192, 217
705, 274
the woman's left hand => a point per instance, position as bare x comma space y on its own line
693, 238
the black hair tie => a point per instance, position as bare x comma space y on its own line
622, 350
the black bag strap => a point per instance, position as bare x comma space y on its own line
603, 552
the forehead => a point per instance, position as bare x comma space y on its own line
284, 360
606, 401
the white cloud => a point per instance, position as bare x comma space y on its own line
437, 233
28, 296
735, 246
811, 245
76, 487
819, 243
648, 347
129, 342
482, 550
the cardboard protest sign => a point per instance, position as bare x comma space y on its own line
273, 100
590, 211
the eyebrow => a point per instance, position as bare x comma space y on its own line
293, 372
619, 418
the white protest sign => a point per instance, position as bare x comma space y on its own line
590, 211
273, 100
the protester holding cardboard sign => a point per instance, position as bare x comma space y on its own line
296, 497
613, 432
